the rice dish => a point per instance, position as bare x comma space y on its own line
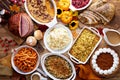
58, 38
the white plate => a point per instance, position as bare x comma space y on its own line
58, 51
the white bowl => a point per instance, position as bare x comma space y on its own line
12, 60
58, 51
73, 75
49, 24
82, 8
38, 74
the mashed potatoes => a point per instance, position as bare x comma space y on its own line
58, 38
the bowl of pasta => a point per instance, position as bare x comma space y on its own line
25, 59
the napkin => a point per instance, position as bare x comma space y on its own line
84, 72
5, 66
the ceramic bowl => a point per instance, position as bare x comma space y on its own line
73, 8
14, 52
39, 75
64, 49
49, 24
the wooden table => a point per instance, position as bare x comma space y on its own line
114, 24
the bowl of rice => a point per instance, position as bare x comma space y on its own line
58, 39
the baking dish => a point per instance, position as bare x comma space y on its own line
45, 56
50, 23
81, 51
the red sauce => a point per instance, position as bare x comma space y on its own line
79, 3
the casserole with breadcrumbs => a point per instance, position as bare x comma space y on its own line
84, 45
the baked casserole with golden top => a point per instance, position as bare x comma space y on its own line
84, 45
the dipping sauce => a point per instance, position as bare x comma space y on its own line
79, 3
41, 10
35, 77
113, 37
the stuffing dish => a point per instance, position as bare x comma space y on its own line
41, 10
26, 59
84, 45
58, 67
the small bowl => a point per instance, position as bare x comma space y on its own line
39, 75
64, 49
73, 8
15, 51
46, 55
105, 30
49, 24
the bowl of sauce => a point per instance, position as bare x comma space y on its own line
42, 11
37, 76
112, 37
79, 4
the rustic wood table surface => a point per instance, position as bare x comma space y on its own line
114, 24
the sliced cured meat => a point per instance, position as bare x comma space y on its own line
20, 24
31, 26
24, 26
14, 24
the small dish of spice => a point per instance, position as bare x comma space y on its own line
105, 62
112, 37
79, 4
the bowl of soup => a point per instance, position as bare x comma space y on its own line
42, 11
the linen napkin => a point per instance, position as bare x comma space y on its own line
84, 72
5, 66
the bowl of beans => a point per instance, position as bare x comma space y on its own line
79, 4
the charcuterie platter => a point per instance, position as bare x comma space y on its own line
59, 39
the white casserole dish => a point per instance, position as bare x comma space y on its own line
44, 56
49, 24
93, 30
